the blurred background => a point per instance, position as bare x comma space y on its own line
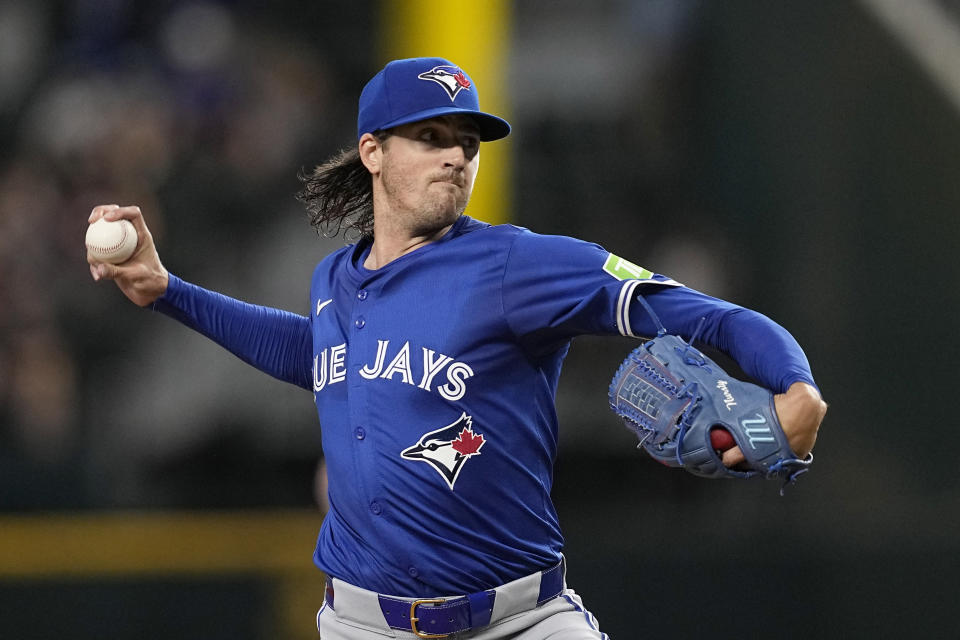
798, 158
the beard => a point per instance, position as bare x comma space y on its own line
424, 207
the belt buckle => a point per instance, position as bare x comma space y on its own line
414, 619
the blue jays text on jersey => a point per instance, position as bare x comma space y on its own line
434, 380
328, 367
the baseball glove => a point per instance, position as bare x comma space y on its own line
672, 396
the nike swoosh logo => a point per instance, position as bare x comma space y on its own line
321, 304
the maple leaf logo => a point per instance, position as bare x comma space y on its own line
461, 79
447, 449
452, 79
468, 444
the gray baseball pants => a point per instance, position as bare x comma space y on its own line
355, 614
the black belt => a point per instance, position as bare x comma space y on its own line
441, 617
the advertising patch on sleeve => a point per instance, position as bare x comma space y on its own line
625, 270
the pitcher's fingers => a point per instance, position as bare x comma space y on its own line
99, 210
106, 271
135, 216
130, 212
732, 457
101, 271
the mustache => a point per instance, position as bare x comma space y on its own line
454, 177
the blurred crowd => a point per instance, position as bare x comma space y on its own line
179, 107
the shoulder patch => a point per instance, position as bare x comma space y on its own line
624, 269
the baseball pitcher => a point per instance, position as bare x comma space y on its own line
433, 347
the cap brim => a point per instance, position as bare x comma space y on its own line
491, 127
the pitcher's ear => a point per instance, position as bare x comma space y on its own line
370, 149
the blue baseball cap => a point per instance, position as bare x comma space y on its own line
420, 88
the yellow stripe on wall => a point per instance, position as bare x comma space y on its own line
127, 543
275, 544
476, 36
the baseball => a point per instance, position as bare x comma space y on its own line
721, 439
112, 242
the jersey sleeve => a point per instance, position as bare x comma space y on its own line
277, 342
555, 288
765, 350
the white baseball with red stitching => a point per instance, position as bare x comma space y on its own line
112, 242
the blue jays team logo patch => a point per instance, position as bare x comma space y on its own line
448, 448
452, 79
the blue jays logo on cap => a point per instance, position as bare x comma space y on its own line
448, 448
409, 90
452, 79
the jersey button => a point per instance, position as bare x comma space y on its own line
412, 570
375, 508
360, 433
362, 294
359, 322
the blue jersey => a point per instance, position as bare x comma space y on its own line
434, 379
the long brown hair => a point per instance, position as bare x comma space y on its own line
338, 195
